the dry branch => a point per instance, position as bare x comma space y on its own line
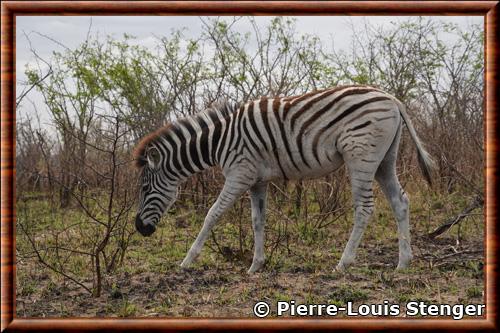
478, 202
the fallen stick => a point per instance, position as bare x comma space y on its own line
478, 202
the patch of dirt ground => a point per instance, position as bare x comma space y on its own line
443, 273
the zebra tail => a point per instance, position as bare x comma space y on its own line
425, 161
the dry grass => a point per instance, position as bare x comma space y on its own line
150, 283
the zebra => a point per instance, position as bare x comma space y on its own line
290, 138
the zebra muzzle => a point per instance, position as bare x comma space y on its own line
144, 229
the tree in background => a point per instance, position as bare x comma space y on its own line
104, 95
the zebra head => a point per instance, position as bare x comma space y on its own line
157, 190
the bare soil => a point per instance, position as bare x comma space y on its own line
442, 272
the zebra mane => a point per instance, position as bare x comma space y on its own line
145, 142
222, 109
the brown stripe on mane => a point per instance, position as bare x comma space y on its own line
140, 149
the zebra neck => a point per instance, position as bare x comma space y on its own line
225, 140
204, 148
201, 142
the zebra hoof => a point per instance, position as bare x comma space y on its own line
185, 263
255, 268
342, 266
402, 266
252, 270
404, 263
344, 263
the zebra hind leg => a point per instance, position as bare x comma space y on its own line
362, 193
388, 180
258, 198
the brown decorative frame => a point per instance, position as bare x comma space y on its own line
11, 9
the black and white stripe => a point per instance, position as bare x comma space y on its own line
295, 137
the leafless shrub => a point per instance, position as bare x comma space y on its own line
104, 95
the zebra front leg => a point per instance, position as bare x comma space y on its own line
231, 191
258, 195
363, 208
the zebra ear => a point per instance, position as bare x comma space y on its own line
153, 157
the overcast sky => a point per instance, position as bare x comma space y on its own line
72, 30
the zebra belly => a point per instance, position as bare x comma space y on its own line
329, 161
296, 168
